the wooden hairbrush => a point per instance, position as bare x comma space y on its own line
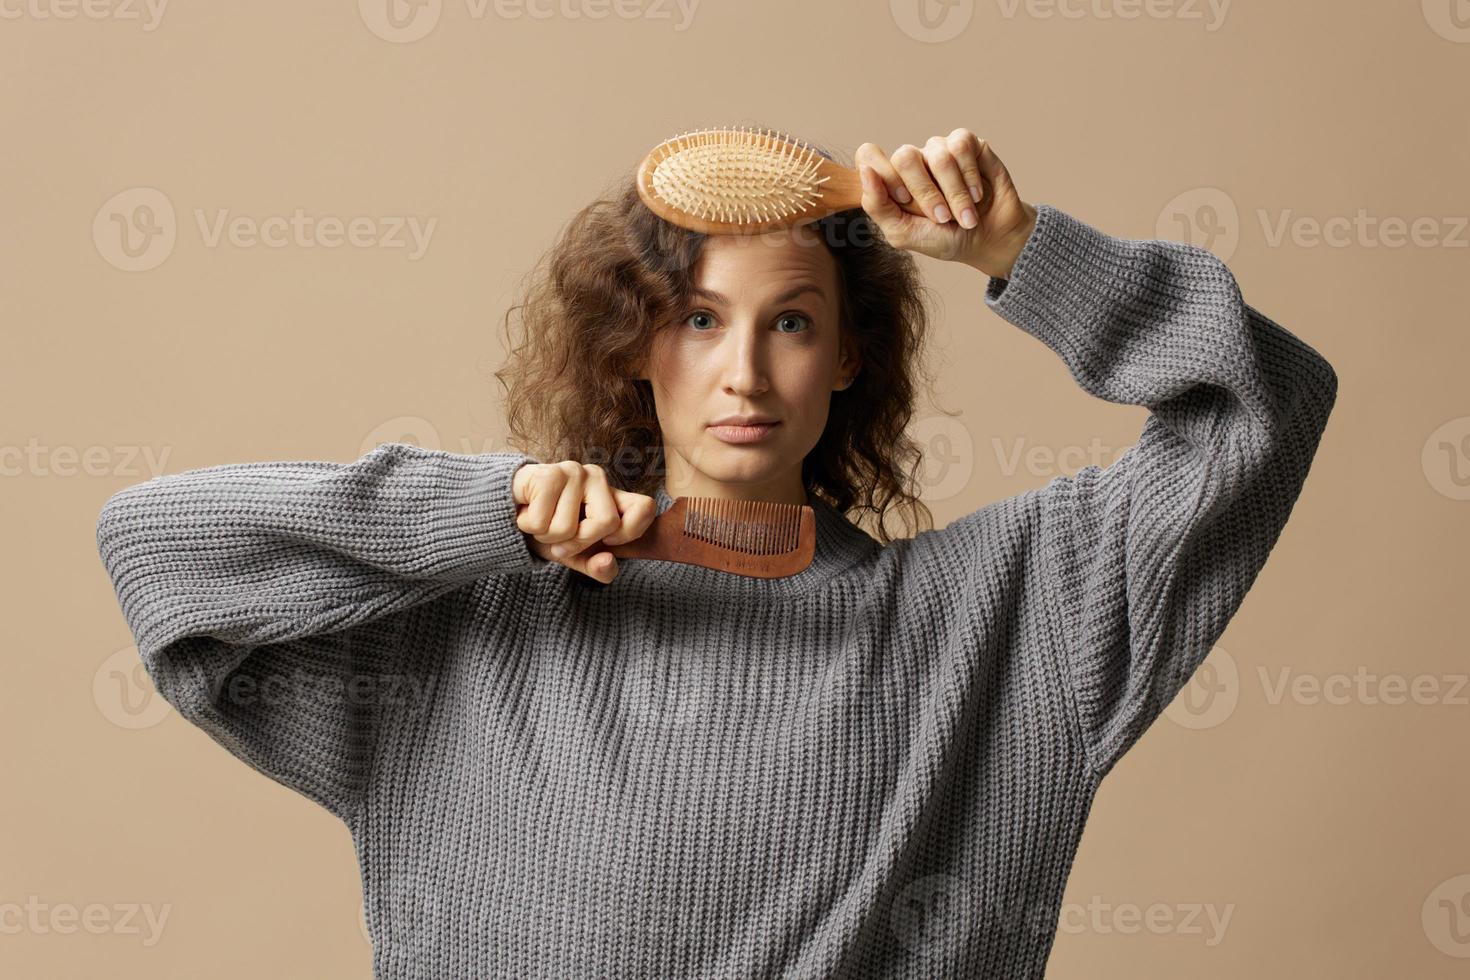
759, 538
742, 181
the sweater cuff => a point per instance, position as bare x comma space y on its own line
1062, 284
471, 524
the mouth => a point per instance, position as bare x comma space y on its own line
745, 431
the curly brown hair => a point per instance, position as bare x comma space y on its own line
618, 273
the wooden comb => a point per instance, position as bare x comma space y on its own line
742, 181
759, 538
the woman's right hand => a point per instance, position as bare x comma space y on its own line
550, 500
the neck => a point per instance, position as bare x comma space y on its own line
784, 488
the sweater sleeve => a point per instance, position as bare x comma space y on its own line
268, 599
1150, 557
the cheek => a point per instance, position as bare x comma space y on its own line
680, 379
805, 383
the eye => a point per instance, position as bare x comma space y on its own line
695, 314
793, 316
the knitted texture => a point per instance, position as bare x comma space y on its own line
878, 767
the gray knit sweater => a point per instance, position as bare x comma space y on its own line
878, 767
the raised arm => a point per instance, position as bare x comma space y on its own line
268, 599
1151, 556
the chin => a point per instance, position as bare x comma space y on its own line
751, 463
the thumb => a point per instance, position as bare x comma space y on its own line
876, 200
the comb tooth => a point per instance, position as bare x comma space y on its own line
761, 527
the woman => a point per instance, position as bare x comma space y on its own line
878, 767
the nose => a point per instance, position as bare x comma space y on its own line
744, 362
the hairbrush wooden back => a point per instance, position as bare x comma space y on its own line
758, 538
742, 181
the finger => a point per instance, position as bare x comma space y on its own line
910, 164
599, 512
568, 514
872, 154
602, 514
542, 490
966, 149
946, 172
876, 200
996, 179
638, 511
991, 167
601, 565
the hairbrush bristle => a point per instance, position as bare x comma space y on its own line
757, 527
740, 175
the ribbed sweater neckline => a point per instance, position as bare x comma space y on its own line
841, 544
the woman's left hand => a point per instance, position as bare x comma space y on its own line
975, 214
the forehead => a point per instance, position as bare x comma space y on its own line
754, 263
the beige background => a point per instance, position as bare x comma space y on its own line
1326, 831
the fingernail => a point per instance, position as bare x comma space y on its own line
975, 193
967, 217
560, 550
902, 195
941, 214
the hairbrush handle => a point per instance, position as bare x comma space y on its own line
844, 189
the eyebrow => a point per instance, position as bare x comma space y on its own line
785, 297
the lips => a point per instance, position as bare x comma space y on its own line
740, 433
746, 420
